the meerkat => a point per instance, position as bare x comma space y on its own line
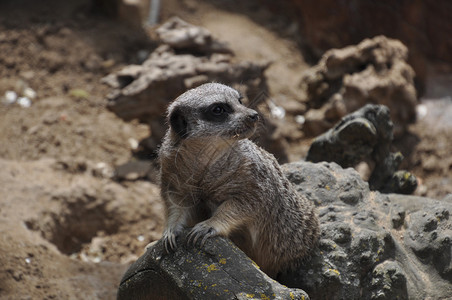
216, 180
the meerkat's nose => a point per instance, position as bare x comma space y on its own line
253, 117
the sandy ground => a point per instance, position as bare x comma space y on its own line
68, 231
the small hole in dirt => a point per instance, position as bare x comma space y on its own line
125, 81
75, 222
361, 68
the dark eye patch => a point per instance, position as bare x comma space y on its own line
216, 112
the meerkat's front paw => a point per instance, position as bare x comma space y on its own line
201, 230
169, 239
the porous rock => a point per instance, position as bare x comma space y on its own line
219, 270
365, 135
372, 246
374, 71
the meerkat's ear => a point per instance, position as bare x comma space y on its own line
178, 123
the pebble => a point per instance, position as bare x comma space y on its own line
10, 97
29, 93
24, 102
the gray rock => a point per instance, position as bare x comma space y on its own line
365, 135
372, 246
217, 271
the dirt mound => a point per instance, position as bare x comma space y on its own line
87, 218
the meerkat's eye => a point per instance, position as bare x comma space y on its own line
240, 99
218, 110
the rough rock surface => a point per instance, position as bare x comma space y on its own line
372, 246
365, 135
219, 271
374, 71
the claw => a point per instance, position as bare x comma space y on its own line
208, 235
166, 242
190, 236
172, 241
195, 238
169, 240
201, 230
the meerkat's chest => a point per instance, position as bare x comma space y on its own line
211, 177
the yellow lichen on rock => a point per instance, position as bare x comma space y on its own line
264, 297
211, 268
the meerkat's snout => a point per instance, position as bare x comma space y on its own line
250, 118
245, 124
253, 117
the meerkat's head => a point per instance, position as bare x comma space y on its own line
211, 110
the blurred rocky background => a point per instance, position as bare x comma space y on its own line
83, 89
